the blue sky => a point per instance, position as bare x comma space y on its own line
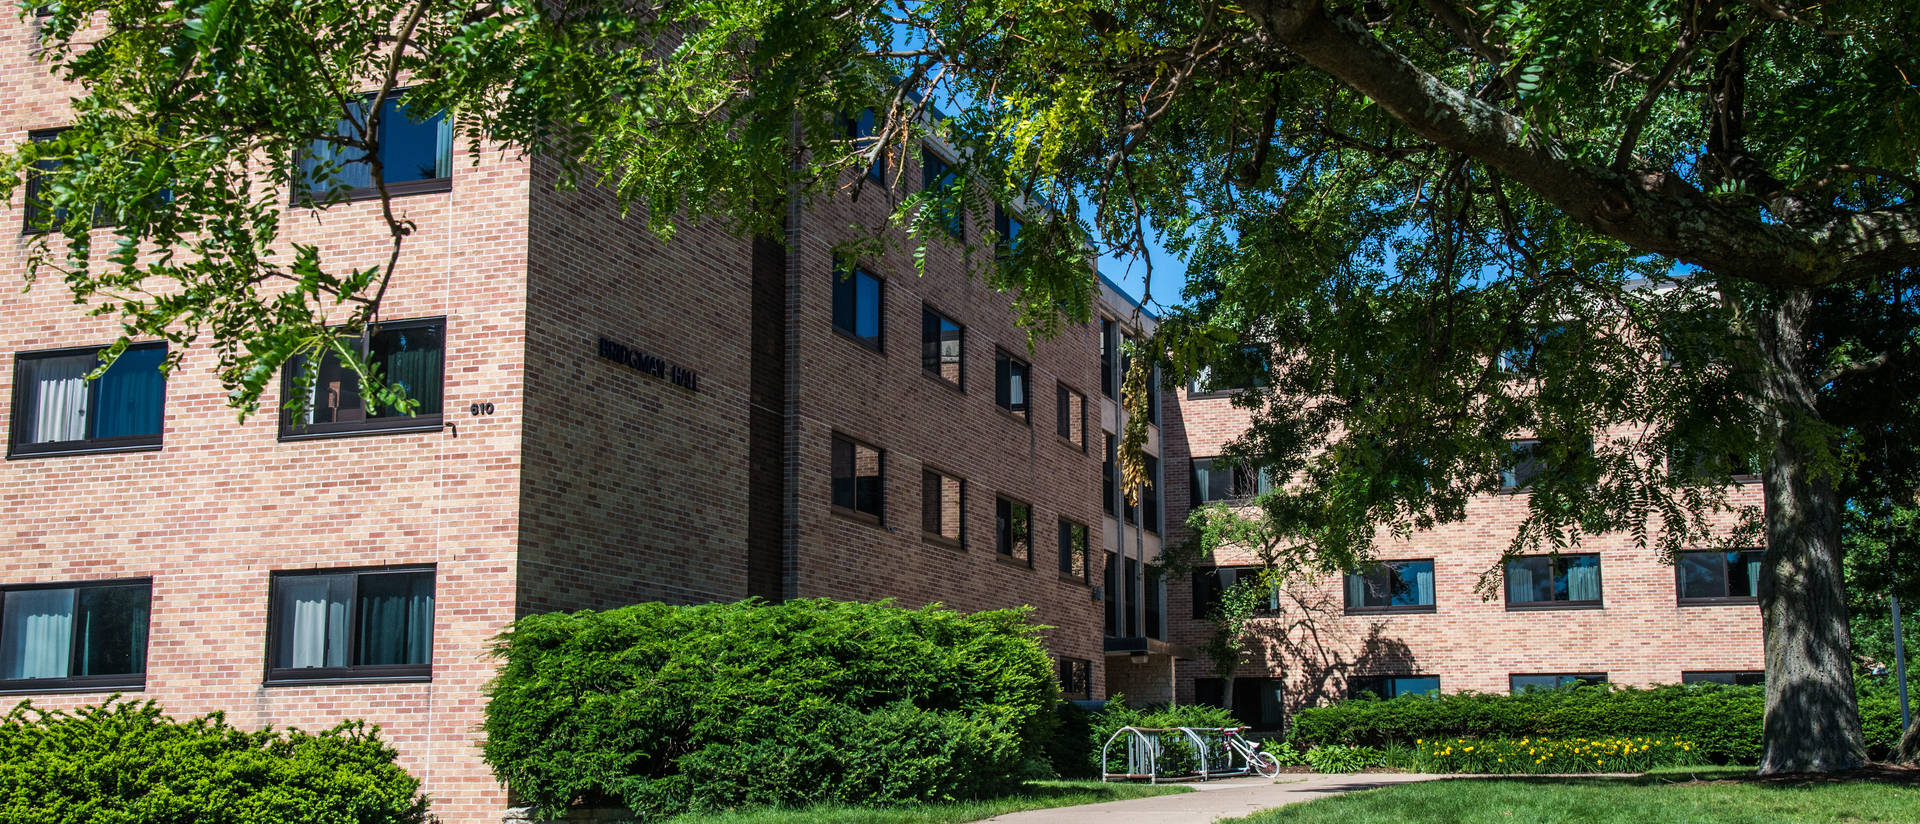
1169, 274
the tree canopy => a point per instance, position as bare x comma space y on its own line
1628, 231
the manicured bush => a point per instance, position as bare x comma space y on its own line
127, 763
1539, 755
664, 709
1724, 723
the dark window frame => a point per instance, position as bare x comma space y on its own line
1110, 477
1212, 691
1152, 513
930, 312
1356, 684
851, 279
1003, 361
116, 682
1209, 587
1109, 350
1007, 228
302, 194
1679, 583
1391, 566
1003, 543
862, 127
1692, 475
1753, 678
935, 537
372, 425
1590, 678
1066, 528
1063, 394
1506, 586
1075, 676
855, 512
84, 446
1243, 484
350, 674
936, 174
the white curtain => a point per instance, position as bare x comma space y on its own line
1519, 583
443, 149
60, 398
1423, 587
1583, 582
37, 636
1753, 575
1356, 590
312, 619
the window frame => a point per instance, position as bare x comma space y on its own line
1003, 550
118, 682
1385, 680
1025, 412
397, 424
1007, 227
1109, 351
928, 310
1110, 477
351, 673
1064, 394
1215, 586
930, 180
936, 537
1590, 677
1075, 676
1152, 510
853, 273
859, 132
303, 195
1506, 587
1679, 583
1392, 567
1734, 677
1237, 482
855, 512
1066, 529
85, 446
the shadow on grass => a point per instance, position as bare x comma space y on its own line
1889, 774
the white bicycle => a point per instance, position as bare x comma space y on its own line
1258, 760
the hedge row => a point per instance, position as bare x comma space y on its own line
1724, 722
126, 763
664, 709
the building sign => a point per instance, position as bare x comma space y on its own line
647, 364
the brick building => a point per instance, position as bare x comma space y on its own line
607, 419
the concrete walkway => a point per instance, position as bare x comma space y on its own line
1213, 800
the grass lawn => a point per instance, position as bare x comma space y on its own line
1037, 795
1707, 795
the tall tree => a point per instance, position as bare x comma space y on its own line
1612, 226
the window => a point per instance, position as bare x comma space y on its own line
1010, 376
942, 349
1700, 467
937, 178
1731, 678
1013, 529
1073, 551
1072, 410
56, 410
1109, 344
1130, 581
1719, 577
408, 354
1153, 395
1392, 686
1244, 370
1110, 581
78, 636
1150, 494
40, 216
1210, 584
1526, 357
1110, 478
415, 151
857, 303
374, 624
1214, 481
1392, 586
864, 130
1553, 581
1524, 463
857, 477
1554, 681
1076, 678
1007, 227
1151, 603
1259, 703
943, 504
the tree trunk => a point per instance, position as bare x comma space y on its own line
1910, 745
1812, 715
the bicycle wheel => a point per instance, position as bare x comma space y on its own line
1265, 764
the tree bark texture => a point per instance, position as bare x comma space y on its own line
1812, 715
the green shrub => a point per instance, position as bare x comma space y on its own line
127, 763
1177, 754
1724, 722
1540, 755
664, 709
1283, 752
1341, 758
1071, 751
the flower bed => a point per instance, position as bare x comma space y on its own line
1541, 755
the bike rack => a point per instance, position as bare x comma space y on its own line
1144, 747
